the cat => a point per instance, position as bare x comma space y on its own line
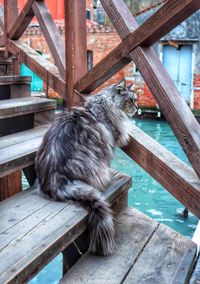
72, 163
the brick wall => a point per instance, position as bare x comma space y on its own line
197, 92
101, 40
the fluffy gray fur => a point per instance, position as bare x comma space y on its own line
72, 163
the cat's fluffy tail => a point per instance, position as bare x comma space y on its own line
100, 221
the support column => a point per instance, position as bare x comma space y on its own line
76, 46
76, 67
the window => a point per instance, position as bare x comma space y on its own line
88, 14
89, 59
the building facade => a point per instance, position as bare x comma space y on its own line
179, 50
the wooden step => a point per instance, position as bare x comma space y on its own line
147, 252
18, 150
34, 230
5, 64
24, 113
14, 79
15, 86
21, 106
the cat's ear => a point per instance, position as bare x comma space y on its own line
121, 84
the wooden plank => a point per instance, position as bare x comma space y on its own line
172, 104
10, 185
18, 157
186, 266
21, 106
71, 255
47, 71
2, 41
195, 278
23, 20
177, 177
14, 139
52, 35
166, 18
10, 13
51, 235
8, 80
76, 46
162, 255
134, 234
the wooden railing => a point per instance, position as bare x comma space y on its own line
70, 74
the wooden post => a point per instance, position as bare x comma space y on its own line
76, 67
76, 47
11, 13
12, 183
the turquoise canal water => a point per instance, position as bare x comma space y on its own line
146, 194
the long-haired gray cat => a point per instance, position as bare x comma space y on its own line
72, 163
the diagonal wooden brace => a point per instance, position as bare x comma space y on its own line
172, 104
164, 20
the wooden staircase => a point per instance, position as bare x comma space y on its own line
34, 230
23, 121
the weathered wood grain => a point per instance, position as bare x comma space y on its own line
2, 41
51, 232
39, 65
54, 40
9, 80
172, 104
135, 233
161, 257
177, 177
20, 137
166, 18
76, 47
20, 106
44, 117
195, 278
10, 185
10, 13
23, 20
186, 266
20, 151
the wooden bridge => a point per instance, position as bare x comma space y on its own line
34, 230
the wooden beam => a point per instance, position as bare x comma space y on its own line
10, 12
10, 185
52, 35
166, 18
39, 65
22, 21
171, 103
177, 177
44, 69
2, 17
2, 40
76, 46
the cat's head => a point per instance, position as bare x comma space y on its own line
124, 97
